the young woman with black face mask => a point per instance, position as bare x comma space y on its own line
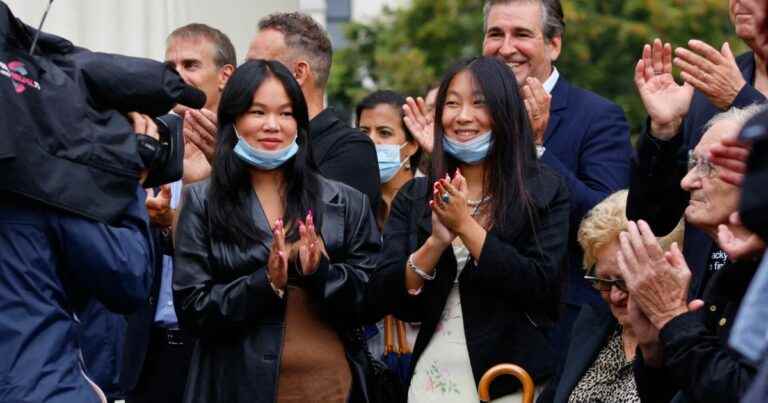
271, 259
475, 250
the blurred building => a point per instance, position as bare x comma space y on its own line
139, 27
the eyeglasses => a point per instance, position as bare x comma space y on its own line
604, 284
701, 165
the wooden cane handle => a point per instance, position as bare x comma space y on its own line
483, 388
389, 345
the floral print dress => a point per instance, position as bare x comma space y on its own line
443, 373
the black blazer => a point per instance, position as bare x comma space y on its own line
655, 194
591, 331
344, 154
222, 296
509, 299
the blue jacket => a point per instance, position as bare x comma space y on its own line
587, 143
53, 263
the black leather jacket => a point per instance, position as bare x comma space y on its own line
222, 296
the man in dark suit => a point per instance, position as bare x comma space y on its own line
583, 136
157, 352
715, 81
342, 153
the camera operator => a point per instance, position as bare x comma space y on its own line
51, 261
157, 351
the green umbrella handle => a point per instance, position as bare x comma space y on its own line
506, 369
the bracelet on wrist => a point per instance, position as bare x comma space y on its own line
419, 271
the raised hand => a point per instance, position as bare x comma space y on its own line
159, 207
657, 281
200, 129
665, 101
737, 241
277, 265
714, 73
420, 123
310, 245
537, 102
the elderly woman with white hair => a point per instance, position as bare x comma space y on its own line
598, 366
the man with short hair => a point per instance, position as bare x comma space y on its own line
581, 135
340, 152
157, 351
684, 353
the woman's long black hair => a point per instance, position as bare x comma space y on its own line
396, 101
511, 156
230, 189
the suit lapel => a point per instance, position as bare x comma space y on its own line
592, 333
558, 107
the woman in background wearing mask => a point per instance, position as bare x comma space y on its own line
272, 260
474, 252
380, 116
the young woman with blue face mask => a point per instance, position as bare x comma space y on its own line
380, 116
475, 251
271, 259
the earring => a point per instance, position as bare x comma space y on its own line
407, 164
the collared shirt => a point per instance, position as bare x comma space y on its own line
165, 315
549, 85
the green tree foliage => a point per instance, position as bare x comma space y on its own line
408, 49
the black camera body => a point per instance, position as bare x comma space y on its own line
165, 156
65, 140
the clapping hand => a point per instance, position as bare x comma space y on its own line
449, 202
277, 265
665, 101
714, 73
310, 245
730, 156
537, 102
420, 122
737, 241
159, 207
657, 281
200, 129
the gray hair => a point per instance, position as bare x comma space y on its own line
738, 116
224, 51
552, 20
306, 37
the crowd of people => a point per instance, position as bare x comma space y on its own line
503, 216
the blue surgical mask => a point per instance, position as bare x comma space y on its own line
389, 160
261, 159
471, 152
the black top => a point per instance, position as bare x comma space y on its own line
509, 298
344, 154
698, 364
